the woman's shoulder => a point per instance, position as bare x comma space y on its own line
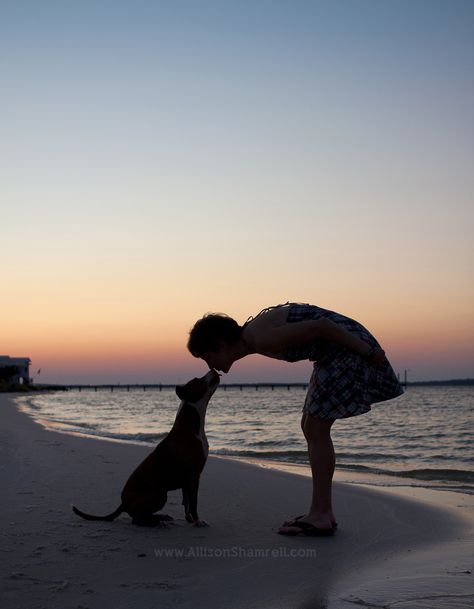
274, 315
256, 330
257, 327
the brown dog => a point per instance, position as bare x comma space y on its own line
177, 461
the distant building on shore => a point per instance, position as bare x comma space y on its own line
15, 370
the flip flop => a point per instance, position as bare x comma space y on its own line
291, 523
310, 530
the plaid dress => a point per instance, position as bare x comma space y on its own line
343, 383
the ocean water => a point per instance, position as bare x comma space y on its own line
423, 438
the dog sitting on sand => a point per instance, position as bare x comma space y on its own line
177, 462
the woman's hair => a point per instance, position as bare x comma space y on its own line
207, 333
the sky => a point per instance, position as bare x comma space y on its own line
161, 160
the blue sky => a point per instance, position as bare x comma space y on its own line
255, 152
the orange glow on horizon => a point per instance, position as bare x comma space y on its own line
127, 329
157, 357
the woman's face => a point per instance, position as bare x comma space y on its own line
220, 360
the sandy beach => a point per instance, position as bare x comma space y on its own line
393, 548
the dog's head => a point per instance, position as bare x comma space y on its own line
199, 389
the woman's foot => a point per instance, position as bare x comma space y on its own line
288, 523
305, 517
305, 528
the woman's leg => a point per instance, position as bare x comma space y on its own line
322, 459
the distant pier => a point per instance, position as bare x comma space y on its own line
160, 387
466, 382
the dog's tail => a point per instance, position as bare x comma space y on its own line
107, 518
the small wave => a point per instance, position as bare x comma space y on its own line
76, 424
89, 430
464, 477
263, 443
454, 475
428, 474
293, 456
27, 403
149, 438
372, 456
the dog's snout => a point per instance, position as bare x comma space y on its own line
216, 376
212, 377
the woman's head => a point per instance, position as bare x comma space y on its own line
208, 332
211, 337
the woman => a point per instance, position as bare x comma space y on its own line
350, 373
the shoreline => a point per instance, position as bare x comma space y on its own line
342, 474
349, 476
397, 545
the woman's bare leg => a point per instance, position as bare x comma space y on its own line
322, 459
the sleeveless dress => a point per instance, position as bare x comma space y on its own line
343, 383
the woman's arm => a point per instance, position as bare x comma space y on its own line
287, 335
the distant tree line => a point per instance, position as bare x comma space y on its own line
452, 382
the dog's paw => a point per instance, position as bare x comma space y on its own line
189, 518
165, 517
201, 523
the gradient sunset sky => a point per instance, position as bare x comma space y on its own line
165, 159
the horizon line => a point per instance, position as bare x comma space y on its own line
464, 380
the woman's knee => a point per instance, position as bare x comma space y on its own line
314, 427
303, 419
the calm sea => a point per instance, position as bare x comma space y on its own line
423, 438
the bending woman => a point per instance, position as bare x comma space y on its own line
350, 373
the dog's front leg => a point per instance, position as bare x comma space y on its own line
185, 501
190, 499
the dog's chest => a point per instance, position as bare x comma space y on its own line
205, 444
202, 431
196, 418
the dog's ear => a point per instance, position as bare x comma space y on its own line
192, 391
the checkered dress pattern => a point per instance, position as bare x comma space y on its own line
343, 383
